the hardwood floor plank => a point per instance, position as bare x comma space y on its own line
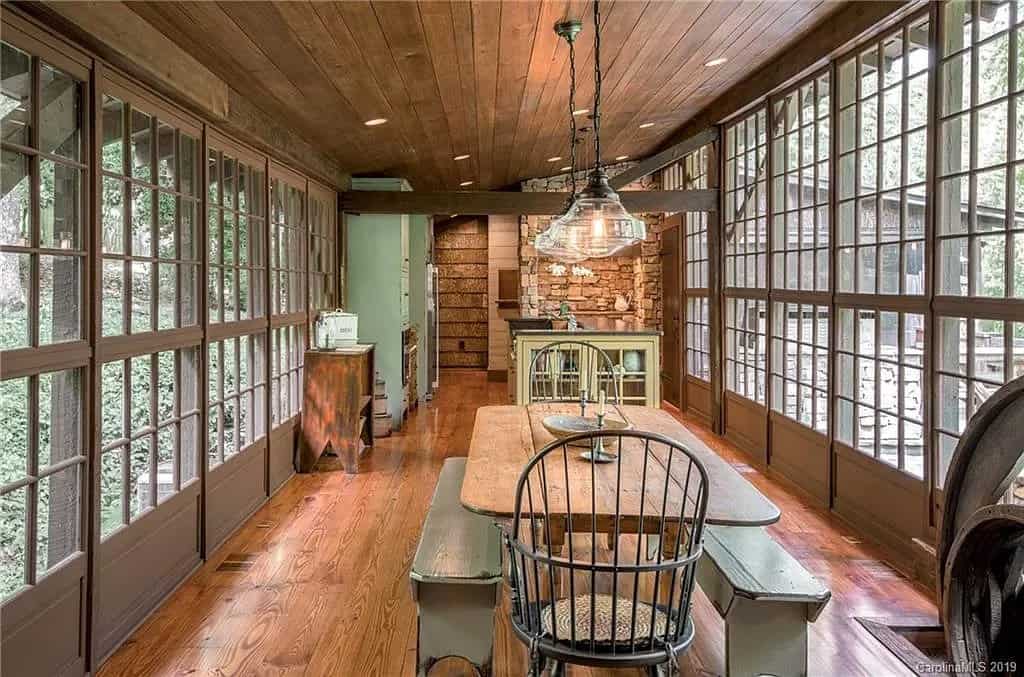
328, 590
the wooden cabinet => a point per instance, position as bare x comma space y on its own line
337, 405
635, 357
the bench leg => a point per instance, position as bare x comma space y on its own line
766, 638
455, 620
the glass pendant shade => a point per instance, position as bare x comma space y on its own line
596, 225
547, 246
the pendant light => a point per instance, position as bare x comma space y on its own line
595, 225
544, 242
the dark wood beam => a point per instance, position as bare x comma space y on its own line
826, 40
666, 157
122, 38
496, 202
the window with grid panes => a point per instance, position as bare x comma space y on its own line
745, 321
286, 372
322, 252
236, 397
288, 247
149, 434
236, 228
151, 259
698, 343
980, 230
692, 174
883, 140
41, 474
880, 397
149, 222
800, 363
801, 124
746, 202
746, 244
800, 187
43, 248
975, 357
41, 255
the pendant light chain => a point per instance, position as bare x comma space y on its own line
572, 120
597, 85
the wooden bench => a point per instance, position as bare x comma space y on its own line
766, 598
456, 578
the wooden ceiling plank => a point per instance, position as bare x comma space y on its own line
261, 22
439, 32
518, 35
358, 77
543, 58
547, 135
714, 28
239, 61
462, 27
657, 108
811, 48
403, 30
760, 41
515, 203
364, 27
546, 61
753, 41
340, 61
624, 18
486, 20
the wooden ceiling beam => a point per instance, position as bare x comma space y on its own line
513, 203
666, 157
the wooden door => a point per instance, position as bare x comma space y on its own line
671, 272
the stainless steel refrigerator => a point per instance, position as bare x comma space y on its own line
432, 345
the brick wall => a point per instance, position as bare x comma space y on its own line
460, 253
636, 274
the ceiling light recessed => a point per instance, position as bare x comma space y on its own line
461, 157
375, 121
554, 158
581, 111
716, 62
620, 158
466, 183
565, 169
645, 125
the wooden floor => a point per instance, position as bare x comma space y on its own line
326, 591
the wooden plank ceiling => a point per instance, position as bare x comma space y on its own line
487, 79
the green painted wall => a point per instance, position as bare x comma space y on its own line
419, 232
374, 293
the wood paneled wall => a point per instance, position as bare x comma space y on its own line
461, 256
502, 253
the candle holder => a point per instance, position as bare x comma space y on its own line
596, 453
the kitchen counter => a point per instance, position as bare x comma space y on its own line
588, 325
633, 349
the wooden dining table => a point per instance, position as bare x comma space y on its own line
505, 438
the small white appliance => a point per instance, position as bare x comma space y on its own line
336, 329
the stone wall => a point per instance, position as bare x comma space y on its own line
460, 253
636, 274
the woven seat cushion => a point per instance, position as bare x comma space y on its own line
603, 619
